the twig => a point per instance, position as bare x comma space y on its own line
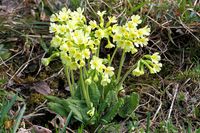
54, 75
157, 111
172, 104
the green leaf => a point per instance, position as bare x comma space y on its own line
94, 94
58, 108
112, 112
4, 53
197, 130
197, 112
130, 104
18, 119
6, 107
54, 99
110, 98
78, 108
137, 7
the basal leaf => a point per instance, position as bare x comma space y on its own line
130, 104
94, 94
59, 109
112, 112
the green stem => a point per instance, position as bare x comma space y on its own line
126, 75
84, 89
66, 69
121, 64
113, 55
72, 78
98, 50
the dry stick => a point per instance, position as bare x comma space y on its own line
54, 75
184, 26
157, 111
159, 107
22, 67
172, 104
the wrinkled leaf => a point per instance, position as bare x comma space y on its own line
58, 108
112, 112
130, 104
94, 94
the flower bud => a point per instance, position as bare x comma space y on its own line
45, 61
88, 81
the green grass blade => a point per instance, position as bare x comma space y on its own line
6, 108
148, 123
67, 122
19, 117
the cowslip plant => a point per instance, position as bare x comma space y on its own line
77, 42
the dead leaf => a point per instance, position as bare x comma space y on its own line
40, 129
41, 87
58, 121
8, 124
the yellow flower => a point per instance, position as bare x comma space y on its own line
73, 66
136, 19
72, 51
109, 45
64, 47
96, 42
112, 19
91, 112
157, 67
81, 63
93, 24
86, 53
63, 15
65, 58
99, 33
53, 28
109, 71
105, 80
130, 25
138, 71
117, 37
56, 41
97, 63
62, 29
78, 56
54, 18
101, 14
143, 32
155, 57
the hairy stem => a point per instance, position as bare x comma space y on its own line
113, 55
85, 89
67, 74
121, 64
72, 78
126, 74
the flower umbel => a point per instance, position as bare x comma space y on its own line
79, 44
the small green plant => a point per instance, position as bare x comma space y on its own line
94, 97
10, 123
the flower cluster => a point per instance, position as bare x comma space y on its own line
79, 43
128, 37
151, 62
